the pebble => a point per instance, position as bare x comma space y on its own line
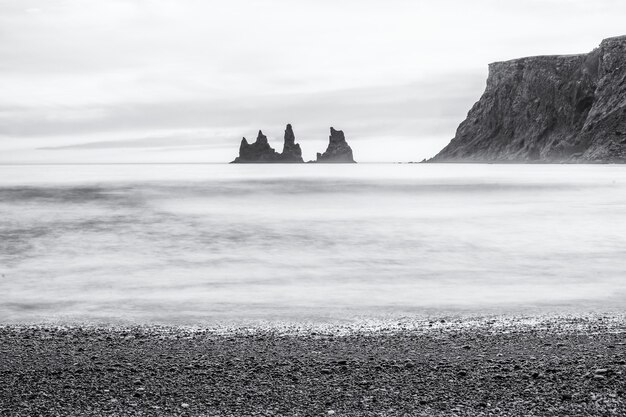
271, 374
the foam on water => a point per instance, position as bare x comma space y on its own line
189, 244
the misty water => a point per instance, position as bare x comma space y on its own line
227, 244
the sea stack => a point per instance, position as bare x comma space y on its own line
338, 150
258, 152
291, 150
564, 108
261, 151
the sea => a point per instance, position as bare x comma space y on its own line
224, 244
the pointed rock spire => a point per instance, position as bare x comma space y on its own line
261, 138
290, 138
259, 151
338, 149
291, 150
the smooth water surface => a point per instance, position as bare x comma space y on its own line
197, 244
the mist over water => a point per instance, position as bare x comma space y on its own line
197, 244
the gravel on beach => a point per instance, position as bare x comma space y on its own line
446, 367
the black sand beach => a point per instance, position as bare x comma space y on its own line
444, 367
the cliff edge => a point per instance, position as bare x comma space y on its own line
569, 108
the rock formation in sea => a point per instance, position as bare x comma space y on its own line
291, 149
338, 150
259, 151
567, 108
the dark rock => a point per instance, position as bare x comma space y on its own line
291, 149
548, 109
338, 150
260, 151
270, 373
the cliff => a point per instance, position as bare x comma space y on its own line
548, 109
261, 152
338, 150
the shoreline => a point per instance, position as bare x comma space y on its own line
569, 365
448, 322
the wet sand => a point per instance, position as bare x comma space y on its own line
550, 366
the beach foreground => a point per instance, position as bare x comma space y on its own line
467, 367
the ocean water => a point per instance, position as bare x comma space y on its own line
228, 244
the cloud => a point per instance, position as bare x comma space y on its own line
180, 140
433, 106
132, 74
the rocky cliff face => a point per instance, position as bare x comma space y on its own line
548, 109
338, 149
261, 152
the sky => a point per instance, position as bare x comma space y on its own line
85, 81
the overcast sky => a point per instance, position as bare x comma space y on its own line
184, 80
